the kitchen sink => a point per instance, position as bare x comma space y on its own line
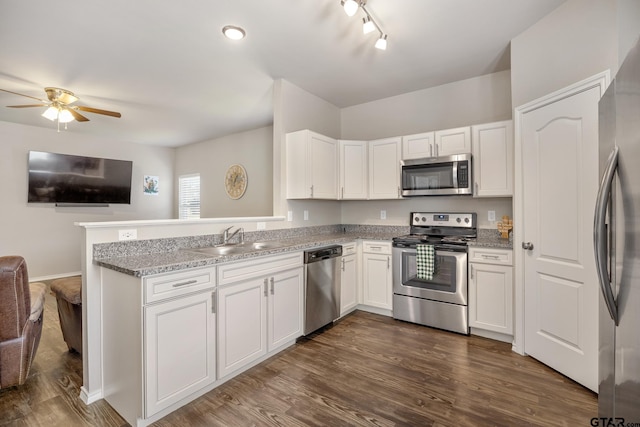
220, 250
238, 248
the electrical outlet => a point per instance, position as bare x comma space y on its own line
492, 216
128, 234
306, 215
383, 214
261, 226
289, 216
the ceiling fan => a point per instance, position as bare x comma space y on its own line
60, 108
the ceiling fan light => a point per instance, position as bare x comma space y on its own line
350, 7
65, 116
233, 33
50, 113
367, 25
381, 43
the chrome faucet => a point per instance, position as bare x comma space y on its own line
226, 237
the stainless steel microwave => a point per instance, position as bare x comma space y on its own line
436, 176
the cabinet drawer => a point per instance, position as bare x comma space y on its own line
348, 249
233, 272
491, 256
164, 286
376, 247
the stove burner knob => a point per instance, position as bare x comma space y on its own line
458, 220
466, 220
417, 219
424, 219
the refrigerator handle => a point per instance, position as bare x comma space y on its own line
600, 233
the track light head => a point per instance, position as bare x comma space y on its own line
367, 25
381, 43
350, 7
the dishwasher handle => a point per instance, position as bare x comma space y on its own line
321, 254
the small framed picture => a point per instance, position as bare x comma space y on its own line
151, 185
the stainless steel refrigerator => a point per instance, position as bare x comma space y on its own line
617, 244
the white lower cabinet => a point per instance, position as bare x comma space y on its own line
158, 341
348, 279
179, 349
377, 288
491, 292
261, 313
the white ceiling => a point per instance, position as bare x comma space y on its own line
176, 80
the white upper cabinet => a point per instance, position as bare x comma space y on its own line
493, 159
312, 166
418, 146
453, 141
353, 170
384, 168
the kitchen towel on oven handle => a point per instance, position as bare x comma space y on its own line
425, 262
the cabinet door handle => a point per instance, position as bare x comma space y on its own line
312, 191
476, 184
437, 150
430, 150
188, 282
388, 262
272, 290
485, 256
342, 196
342, 264
265, 288
399, 194
213, 302
471, 271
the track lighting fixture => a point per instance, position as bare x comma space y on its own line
368, 23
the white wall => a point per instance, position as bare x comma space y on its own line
252, 149
575, 41
296, 109
473, 101
44, 234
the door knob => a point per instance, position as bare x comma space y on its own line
527, 245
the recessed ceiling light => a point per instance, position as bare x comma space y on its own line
233, 33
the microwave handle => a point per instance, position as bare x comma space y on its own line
454, 171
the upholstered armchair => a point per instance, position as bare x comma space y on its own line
21, 308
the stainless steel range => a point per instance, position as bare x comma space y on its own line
440, 301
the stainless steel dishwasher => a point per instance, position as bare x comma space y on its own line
322, 287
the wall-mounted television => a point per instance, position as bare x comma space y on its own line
66, 179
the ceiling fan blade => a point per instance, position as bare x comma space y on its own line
79, 117
20, 94
27, 106
97, 111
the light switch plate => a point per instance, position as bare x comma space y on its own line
492, 215
306, 215
289, 216
383, 214
261, 225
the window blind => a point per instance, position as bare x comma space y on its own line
189, 196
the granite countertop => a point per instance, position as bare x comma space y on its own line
490, 238
145, 265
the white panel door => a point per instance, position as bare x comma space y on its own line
323, 162
353, 170
377, 290
242, 329
171, 372
418, 146
384, 168
453, 141
560, 182
285, 307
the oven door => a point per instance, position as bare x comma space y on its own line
449, 282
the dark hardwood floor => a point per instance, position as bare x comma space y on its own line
365, 370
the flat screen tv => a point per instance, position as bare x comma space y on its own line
67, 179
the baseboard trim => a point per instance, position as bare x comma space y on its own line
54, 276
87, 398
